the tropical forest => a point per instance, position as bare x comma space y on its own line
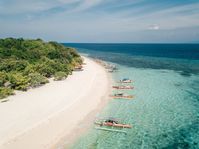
29, 63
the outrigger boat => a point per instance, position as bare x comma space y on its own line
109, 66
125, 80
123, 87
110, 123
110, 70
78, 68
121, 95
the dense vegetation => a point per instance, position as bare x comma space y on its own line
29, 63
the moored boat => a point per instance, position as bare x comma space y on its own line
121, 95
123, 87
125, 80
110, 70
111, 122
78, 68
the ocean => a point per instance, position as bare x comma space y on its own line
165, 110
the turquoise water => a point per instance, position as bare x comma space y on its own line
165, 111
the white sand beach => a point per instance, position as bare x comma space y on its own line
39, 118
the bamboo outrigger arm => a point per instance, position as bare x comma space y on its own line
113, 130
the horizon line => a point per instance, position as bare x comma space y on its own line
129, 42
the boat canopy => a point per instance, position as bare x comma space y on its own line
111, 121
119, 94
125, 79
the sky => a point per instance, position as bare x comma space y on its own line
101, 21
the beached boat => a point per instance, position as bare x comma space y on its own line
110, 70
121, 95
78, 68
125, 80
111, 122
122, 87
110, 66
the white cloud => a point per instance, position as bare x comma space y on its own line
68, 1
154, 27
108, 19
86, 4
22, 6
35, 6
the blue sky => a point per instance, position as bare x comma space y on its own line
131, 21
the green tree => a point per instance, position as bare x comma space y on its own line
4, 92
60, 76
28, 63
3, 78
37, 80
19, 82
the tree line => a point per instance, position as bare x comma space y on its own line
27, 64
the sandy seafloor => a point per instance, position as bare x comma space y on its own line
164, 112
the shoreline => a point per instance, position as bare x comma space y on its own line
55, 125
87, 120
87, 123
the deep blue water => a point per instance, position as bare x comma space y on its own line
183, 58
182, 51
165, 111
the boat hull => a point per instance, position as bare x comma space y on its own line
129, 81
123, 87
113, 125
121, 97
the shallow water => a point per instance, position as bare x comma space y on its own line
164, 112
